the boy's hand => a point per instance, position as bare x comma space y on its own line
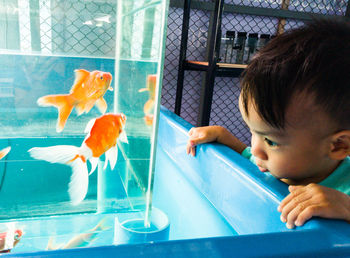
312, 200
199, 135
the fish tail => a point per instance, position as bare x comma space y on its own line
63, 154
69, 155
79, 181
101, 226
4, 152
64, 104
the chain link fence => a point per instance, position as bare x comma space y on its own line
226, 90
87, 28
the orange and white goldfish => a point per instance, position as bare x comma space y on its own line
4, 152
80, 240
148, 108
10, 238
88, 90
102, 135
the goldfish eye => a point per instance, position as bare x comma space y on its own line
101, 78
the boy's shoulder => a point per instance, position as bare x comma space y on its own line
340, 178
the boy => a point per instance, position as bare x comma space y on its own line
295, 99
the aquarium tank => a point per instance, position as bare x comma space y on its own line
80, 88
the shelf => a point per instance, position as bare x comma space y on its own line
210, 67
222, 69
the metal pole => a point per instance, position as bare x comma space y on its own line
208, 87
182, 59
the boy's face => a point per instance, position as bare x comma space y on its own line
298, 154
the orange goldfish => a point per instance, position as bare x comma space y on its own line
88, 90
10, 238
4, 152
102, 135
149, 105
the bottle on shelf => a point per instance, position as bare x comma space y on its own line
263, 40
229, 47
250, 47
240, 46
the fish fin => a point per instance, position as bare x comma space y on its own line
51, 245
79, 181
111, 156
10, 236
79, 108
84, 107
4, 152
62, 154
149, 105
80, 76
93, 162
64, 104
123, 137
89, 106
69, 155
89, 125
101, 105
143, 89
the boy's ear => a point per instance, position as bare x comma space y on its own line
340, 145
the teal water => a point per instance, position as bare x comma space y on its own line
41, 60
30, 188
34, 195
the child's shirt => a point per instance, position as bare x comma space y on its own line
339, 179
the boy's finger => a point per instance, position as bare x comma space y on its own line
284, 202
293, 203
304, 216
286, 208
193, 151
294, 192
295, 212
198, 140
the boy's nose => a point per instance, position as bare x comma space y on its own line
258, 150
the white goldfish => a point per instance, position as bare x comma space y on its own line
102, 135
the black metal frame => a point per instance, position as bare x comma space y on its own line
213, 53
212, 69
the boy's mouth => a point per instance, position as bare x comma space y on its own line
262, 169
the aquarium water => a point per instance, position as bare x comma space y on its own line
64, 65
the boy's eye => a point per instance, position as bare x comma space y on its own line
270, 143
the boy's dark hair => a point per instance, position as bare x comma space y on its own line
315, 59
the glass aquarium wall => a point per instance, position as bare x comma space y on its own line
139, 65
79, 96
